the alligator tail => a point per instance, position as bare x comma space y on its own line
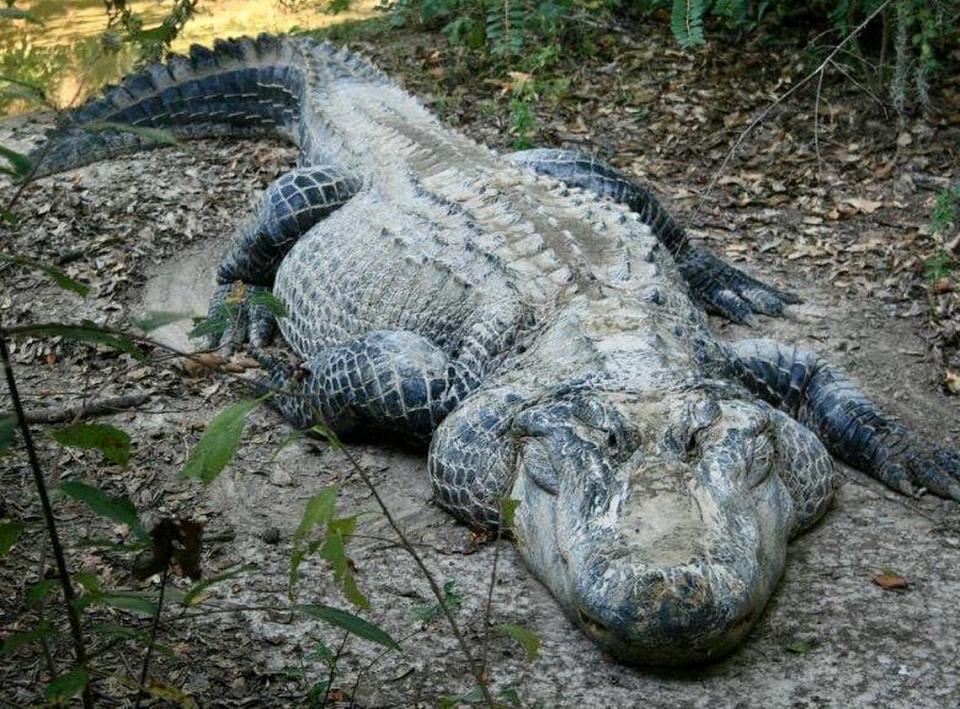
241, 87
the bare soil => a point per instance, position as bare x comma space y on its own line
850, 235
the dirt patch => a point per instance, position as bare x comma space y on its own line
146, 231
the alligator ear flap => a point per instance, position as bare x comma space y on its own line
539, 466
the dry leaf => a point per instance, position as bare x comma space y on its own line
867, 206
245, 361
890, 581
943, 285
883, 170
196, 365
951, 382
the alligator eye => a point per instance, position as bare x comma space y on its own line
760, 461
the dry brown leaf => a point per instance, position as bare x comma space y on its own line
943, 285
890, 581
883, 170
245, 361
196, 365
867, 206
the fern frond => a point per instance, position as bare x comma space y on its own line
686, 22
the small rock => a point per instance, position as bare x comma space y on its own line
271, 535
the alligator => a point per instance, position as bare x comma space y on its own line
536, 321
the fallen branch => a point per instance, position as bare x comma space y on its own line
97, 407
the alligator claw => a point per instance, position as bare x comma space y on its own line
920, 464
235, 317
728, 291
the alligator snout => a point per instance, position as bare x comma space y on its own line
681, 576
674, 615
664, 549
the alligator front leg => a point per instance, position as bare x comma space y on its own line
851, 426
721, 288
388, 380
291, 205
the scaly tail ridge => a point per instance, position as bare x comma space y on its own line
241, 87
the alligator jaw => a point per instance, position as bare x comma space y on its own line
671, 565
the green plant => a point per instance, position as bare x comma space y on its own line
523, 123
153, 42
938, 266
921, 32
507, 29
946, 209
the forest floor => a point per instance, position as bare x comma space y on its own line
849, 230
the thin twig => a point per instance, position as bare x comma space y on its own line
759, 118
31, 175
868, 92
489, 604
153, 638
44, 643
333, 669
197, 356
230, 609
73, 615
366, 668
475, 669
816, 122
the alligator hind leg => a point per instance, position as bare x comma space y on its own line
291, 205
853, 428
721, 288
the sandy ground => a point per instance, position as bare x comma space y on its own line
830, 637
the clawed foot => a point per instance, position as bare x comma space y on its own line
911, 463
288, 387
240, 313
729, 292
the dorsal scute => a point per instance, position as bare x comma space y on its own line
160, 75
268, 44
227, 51
179, 67
202, 59
136, 85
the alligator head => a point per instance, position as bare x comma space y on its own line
659, 522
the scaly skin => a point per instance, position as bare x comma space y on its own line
537, 332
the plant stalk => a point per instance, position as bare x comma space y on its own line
73, 615
153, 638
475, 669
